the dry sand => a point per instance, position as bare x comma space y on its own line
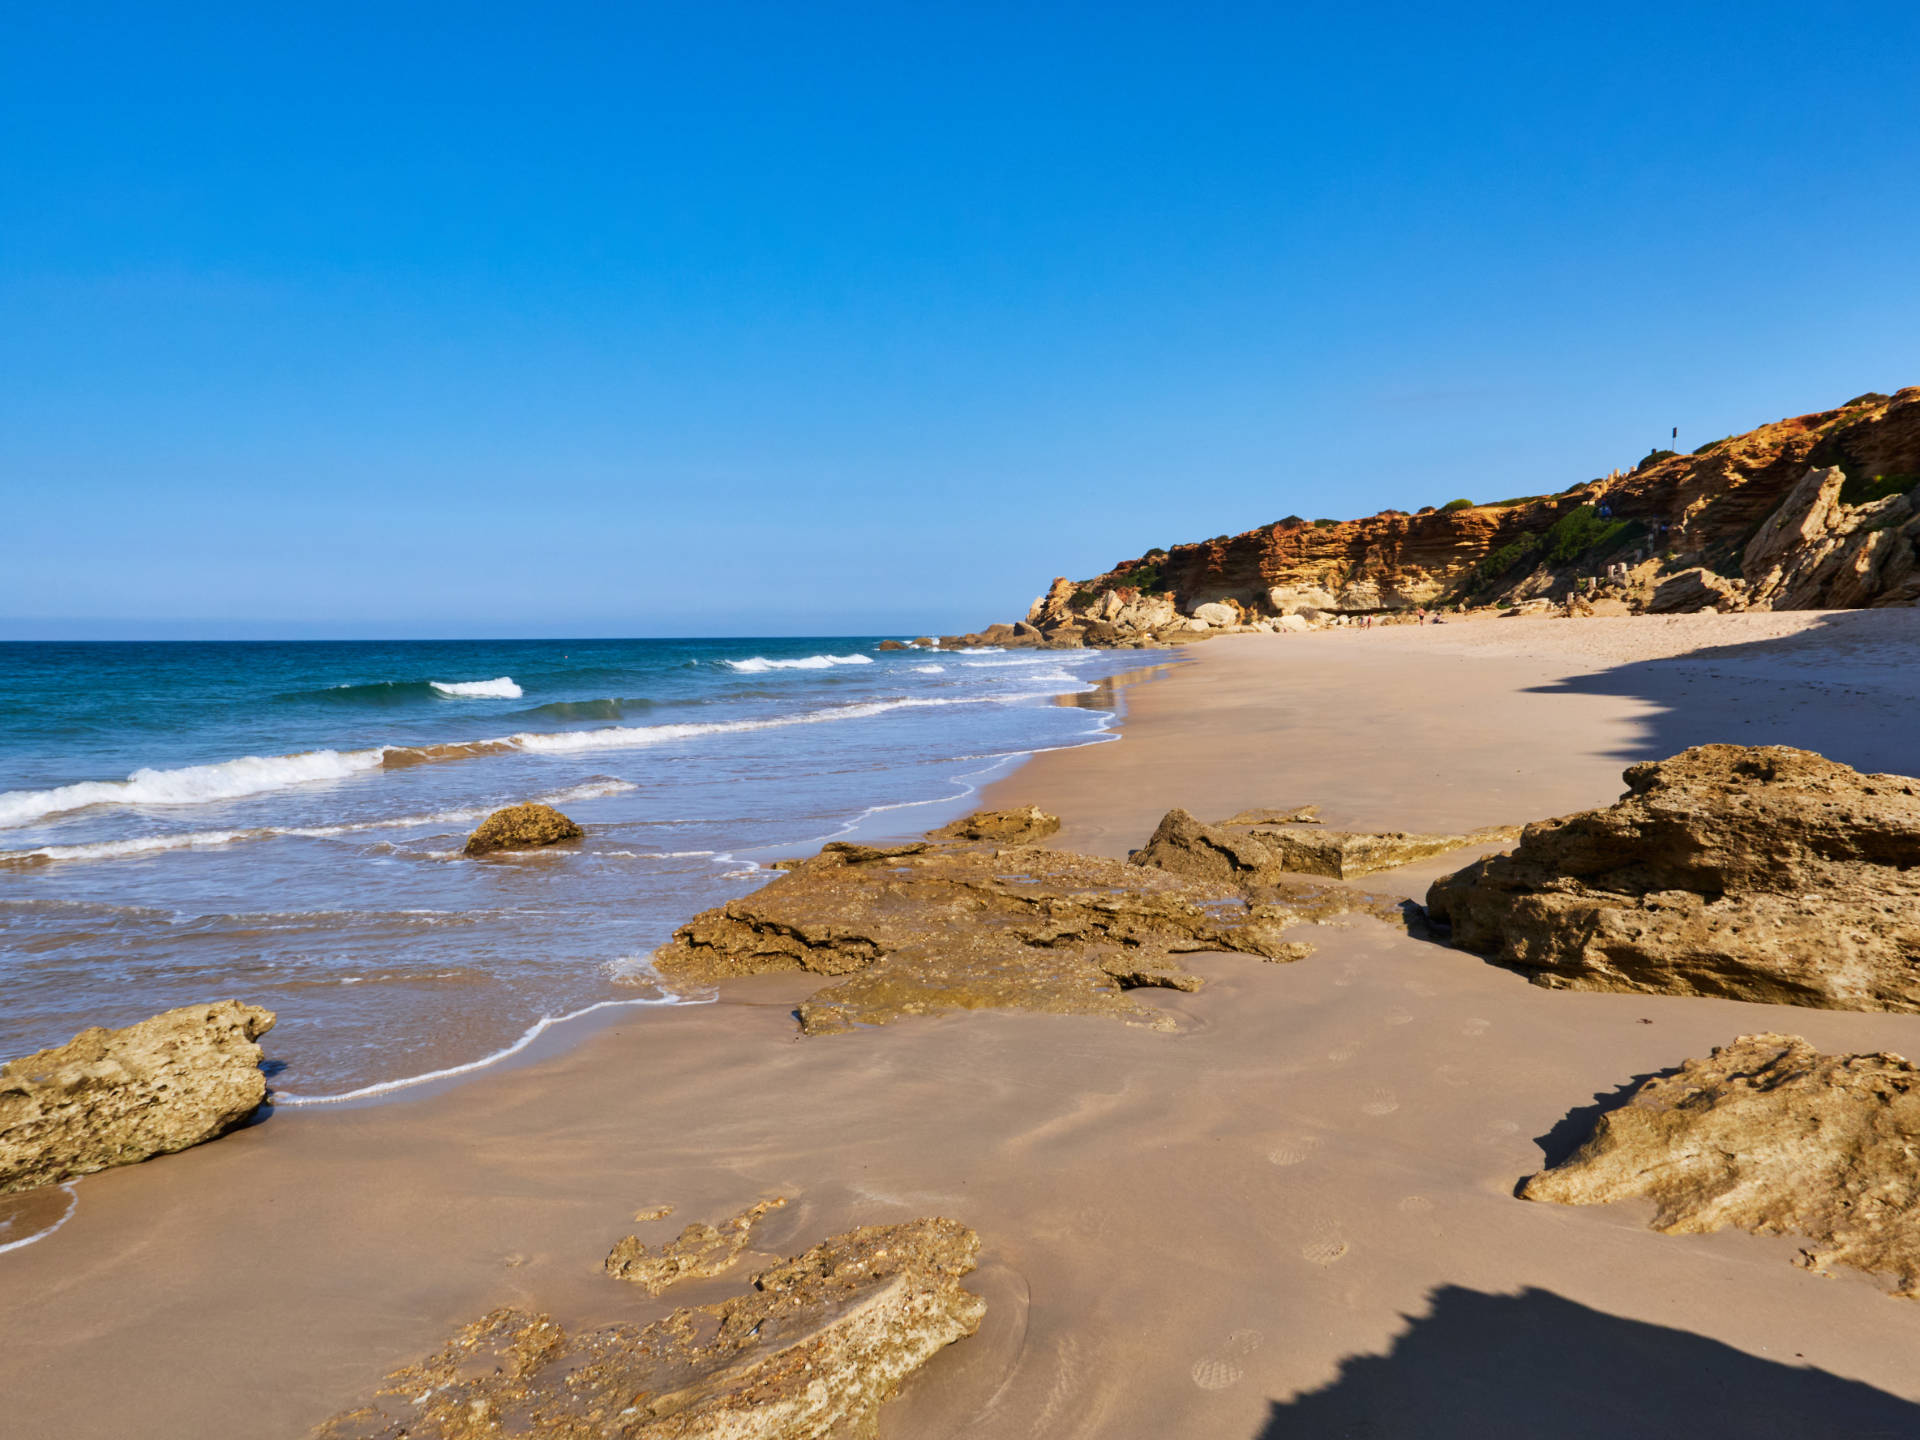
1292, 1218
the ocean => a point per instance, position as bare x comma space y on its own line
282, 823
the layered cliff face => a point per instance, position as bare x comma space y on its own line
1816, 511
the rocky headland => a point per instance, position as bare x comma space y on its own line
1750, 872
1768, 1135
1816, 511
812, 1351
117, 1097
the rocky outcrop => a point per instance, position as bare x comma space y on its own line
1027, 826
116, 1097
522, 827
925, 928
811, 1352
1814, 511
1768, 1135
698, 1253
1752, 872
1258, 852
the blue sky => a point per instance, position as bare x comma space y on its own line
622, 319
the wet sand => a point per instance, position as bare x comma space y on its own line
1293, 1217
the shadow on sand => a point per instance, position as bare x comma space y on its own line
1490, 1367
1769, 692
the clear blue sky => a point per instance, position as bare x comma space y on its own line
692, 319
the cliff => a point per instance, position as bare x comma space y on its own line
1812, 512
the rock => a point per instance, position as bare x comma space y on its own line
1294, 815
996, 634
1026, 630
116, 1097
1751, 872
1009, 827
892, 645
971, 925
522, 827
1292, 624
1771, 1136
1697, 589
1256, 854
1215, 615
701, 1251
810, 1353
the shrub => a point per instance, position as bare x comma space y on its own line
1516, 500
1492, 567
1582, 532
1713, 445
1325, 524
1148, 577
1456, 505
1864, 490
1654, 457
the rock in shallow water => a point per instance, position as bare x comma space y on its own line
1768, 1135
522, 827
1751, 872
116, 1097
811, 1352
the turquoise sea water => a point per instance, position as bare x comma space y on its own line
282, 822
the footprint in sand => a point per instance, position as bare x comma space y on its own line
1380, 1102
1346, 976
1476, 1027
1340, 1054
1422, 989
1416, 1205
1397, 1016
1219, 1370
1452, 1075
1324, 1246
1294, 1150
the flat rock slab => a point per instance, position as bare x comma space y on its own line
1771, 1136
1262, 853
812, 1351
925, 928
1750, 872
116, 1097
700, 1252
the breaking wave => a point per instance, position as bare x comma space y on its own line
189, 785
759, 664
501, 689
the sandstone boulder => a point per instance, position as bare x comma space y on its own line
1242, 853
1215, 615
1696, 589
1752, 872
892, 645
1008, 827
115, 1097
810, 1353
1771, 1136
522, 827
700, 1251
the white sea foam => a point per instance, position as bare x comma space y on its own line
533, 1032
759, 664
931, 669
73, 1203
189, 785
501, 689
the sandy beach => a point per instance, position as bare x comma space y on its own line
1292, 1216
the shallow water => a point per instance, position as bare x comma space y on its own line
282, 823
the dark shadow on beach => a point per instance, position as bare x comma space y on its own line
1500, 1367
1570, 1132
1695, 704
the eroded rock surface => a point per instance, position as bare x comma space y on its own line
1771, 1136
522, 827
115, 1097
924, 928
1259, 852
699, 1252
1009, 827
1751, 872
811, 1352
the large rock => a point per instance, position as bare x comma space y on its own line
1216, 615
927, 928
1696, 589
115, 1097
1007, 827
1752, 872
522, 827
1768, 1135
810, 1353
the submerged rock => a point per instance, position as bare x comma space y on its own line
811, 1352
1259, 852
1752, 872
700, 1251
522, 827
1009, 827
926, 928
116, 1097
1771, 1136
